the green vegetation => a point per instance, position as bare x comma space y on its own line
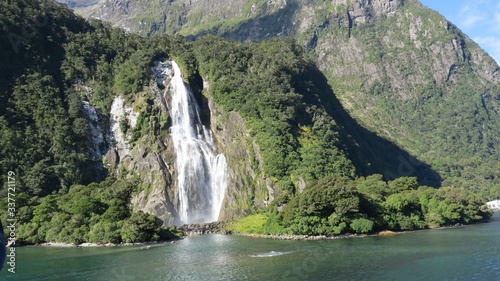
97, 213
250, 224
44, 135
273, 86
303, 134
336, 205
408, 75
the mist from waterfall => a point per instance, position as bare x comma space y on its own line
201, 172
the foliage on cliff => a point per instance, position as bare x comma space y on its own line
272, 85
97, 213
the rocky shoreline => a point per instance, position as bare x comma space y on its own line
90, 245
221, 228
304, 237
217, 227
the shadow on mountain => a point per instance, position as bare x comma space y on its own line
370, 153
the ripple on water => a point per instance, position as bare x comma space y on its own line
271, 254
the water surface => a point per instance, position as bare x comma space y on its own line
463, 253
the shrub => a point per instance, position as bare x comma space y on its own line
250, 224
362, 225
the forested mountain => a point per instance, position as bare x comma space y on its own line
84, 127
400, 69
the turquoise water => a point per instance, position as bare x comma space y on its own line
463, 253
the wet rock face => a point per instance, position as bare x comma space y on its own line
217, 227
99, 133
244, 165
245, 179
151, 157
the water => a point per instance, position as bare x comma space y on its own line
464, 253
201, 173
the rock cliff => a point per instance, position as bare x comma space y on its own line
126, 152
247, 185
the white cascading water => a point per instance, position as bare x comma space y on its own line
201, 172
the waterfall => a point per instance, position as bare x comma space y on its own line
201, 172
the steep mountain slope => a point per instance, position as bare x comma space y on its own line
149, 17
86, 137
400, 69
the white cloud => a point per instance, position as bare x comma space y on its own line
471, 14
492, 44
481, 20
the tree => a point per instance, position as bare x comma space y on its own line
46, 209
139, 227
362, 225
403, 184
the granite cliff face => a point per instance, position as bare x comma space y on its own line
401, 23
400, 69
173, 16
248, 187
151, 157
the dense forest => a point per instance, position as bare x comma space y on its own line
336, 205
292, 113
44, 134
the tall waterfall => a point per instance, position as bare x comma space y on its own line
201, 172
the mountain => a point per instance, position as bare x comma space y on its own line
79, 3
107, 136
400, 69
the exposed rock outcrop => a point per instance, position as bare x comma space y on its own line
126, 152
150, 157
247, 186
218, 227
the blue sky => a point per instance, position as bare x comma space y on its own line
479, 19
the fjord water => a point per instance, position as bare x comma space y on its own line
462, 253
201, 172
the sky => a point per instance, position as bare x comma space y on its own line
479, 19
